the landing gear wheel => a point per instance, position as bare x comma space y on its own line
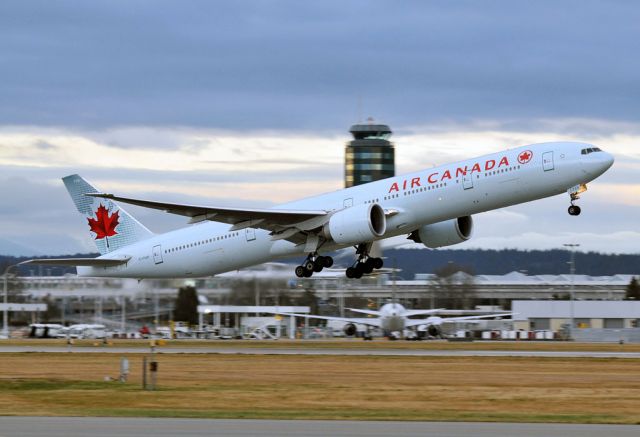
351, 272
574, 210
367, 266
377, 263
308, 273
359, 270
309, 265
318, 265
300, 271
328, 261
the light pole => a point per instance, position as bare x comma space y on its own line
572, 271
5, 312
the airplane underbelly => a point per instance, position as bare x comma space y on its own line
393, 324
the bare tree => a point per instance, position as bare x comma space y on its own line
454, 287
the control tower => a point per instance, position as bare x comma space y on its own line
370, 156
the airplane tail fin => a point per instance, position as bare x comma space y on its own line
110, 226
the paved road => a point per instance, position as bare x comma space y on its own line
331, 351
138, 427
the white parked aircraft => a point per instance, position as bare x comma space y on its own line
432, 207
392, 317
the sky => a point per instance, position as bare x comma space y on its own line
248, 103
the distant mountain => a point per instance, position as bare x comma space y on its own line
10, 248
499, 262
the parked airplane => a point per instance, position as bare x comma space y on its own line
392, 317
432, 207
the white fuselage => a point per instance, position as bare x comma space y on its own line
392, 317
425, 197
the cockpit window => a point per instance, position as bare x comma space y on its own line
590, 150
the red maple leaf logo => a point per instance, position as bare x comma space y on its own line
104, 225
525, 156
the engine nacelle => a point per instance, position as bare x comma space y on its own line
357, 224
349, 329
444, 233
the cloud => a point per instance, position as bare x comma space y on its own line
274, 168
303, 66
249, 103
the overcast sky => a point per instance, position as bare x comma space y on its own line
249, 103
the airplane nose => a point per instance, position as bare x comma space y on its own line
608, 160
600, 163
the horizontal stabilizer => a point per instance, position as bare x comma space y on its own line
74, 262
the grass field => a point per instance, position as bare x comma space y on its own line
575, 390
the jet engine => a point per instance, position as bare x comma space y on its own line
357, 224
349, 329
444, 233
434, 331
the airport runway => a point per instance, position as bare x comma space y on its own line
322, 351
156, 427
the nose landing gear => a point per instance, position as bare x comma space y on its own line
574, 193
574, 210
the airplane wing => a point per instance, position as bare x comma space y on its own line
410, 313
356, 320
466, 319
275, 220
370, 312
445, 312
472, 318
73, 262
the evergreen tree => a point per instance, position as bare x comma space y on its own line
633, 289
186, 306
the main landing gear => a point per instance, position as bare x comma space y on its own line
365, 263
313, 263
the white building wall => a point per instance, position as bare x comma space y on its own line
589, 314
562, 309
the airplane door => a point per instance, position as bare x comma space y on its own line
467, 181
157, 254
250, 233
348, 203
547, 161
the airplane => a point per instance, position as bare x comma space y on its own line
394, 317
432, 206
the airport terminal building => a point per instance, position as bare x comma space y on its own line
541, 301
